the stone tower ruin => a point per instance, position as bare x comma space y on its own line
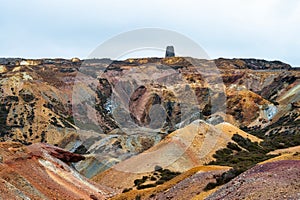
170, 51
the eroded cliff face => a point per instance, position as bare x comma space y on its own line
42, 171
121, 108
174, 112
32, 109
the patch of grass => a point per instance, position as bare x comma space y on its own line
138, 182
233, 146
222, 179
281, 141
160, 176
282, 134
140, 187
240, 160
296, 154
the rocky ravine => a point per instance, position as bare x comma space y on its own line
111, 111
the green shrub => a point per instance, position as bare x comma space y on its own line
126, 190
140, 187
160, 176
240, 160
160, 182
138, 182
223, 178
233, 146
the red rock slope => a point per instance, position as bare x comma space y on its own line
40, 171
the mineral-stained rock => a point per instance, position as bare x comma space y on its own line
39, 171
273, 180
113, 110
59, 153
35, 109
26, 95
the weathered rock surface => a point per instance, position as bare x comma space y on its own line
273, 180
113, 111
40, 171
182, 150
61, 154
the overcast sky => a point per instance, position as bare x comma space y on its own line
268, 29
